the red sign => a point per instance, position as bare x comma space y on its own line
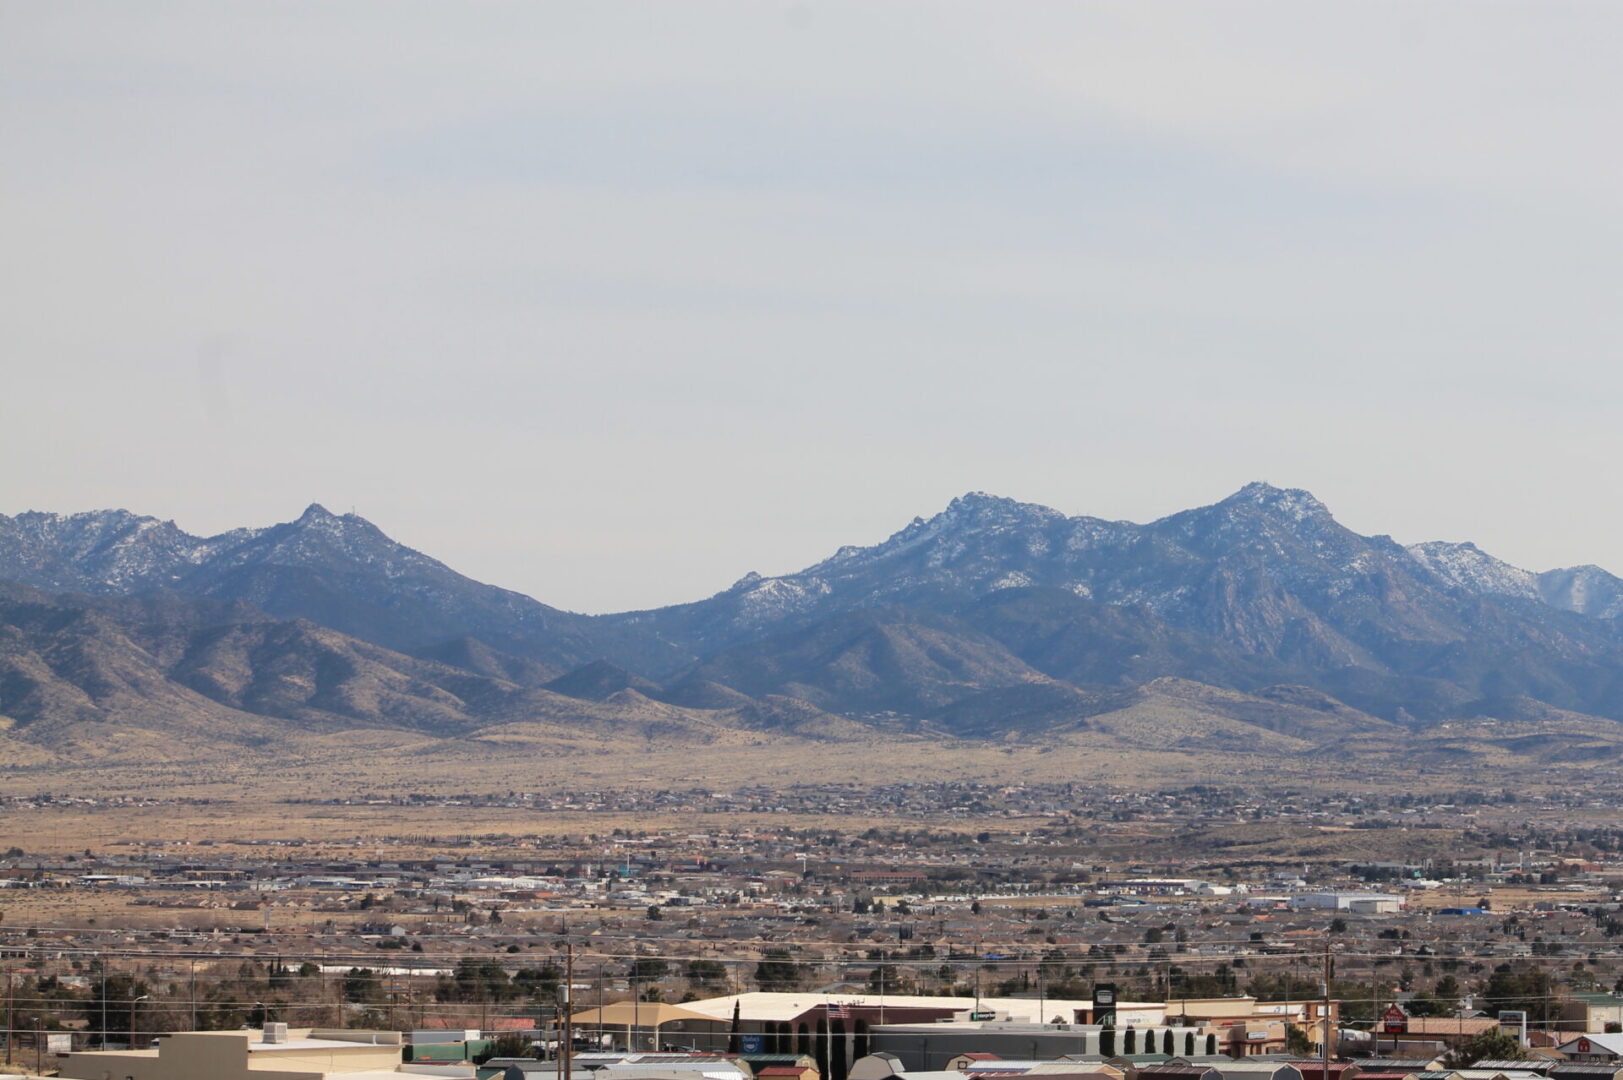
1394, 1021
1583, 1046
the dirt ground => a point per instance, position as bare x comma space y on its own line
1505, 898
390, 832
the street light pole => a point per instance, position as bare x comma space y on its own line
133, 1003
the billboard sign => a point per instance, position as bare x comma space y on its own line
1394, 1021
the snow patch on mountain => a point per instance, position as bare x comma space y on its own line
975, 514
1587, 590
1293, 504
776, 597
1466, 566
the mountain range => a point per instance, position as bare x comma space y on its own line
1259, 616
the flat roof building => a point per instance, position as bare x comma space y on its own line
274, 1054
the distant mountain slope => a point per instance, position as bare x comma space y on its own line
870, 661
1069, 637
600, 680
1588, 590
161, 678
1032, 709
992, 617
1177, 713
1472, 570
339, 571
1262, 586
201, 670
471, 654
168, 678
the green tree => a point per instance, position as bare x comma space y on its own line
1220, 982
649, 968
706, 972
1520, 986
776, 971
476, 980
539, 984
1444, 999
113, 998
509, 1044
1495, 1045
889, 979
363, 987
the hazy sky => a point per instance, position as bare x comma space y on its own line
612, 303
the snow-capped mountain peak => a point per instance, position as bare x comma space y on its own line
1587, 590
1294, 504
1466, 566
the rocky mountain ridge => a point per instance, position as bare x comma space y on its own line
1267, 579
991, 618
340, 571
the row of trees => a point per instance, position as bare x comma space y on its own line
249, 992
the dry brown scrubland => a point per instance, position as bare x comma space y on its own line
383, 764
1147, 747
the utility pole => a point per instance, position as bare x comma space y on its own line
1324, 1049
566, 1047
11, 1012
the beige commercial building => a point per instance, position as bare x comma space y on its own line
1594, 1013
1245, 1026
274, 1054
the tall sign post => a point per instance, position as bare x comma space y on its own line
1394, 1022
1515, 1020
1104, 1004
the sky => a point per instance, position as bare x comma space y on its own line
611, 303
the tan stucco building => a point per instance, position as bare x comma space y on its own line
247, 1055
